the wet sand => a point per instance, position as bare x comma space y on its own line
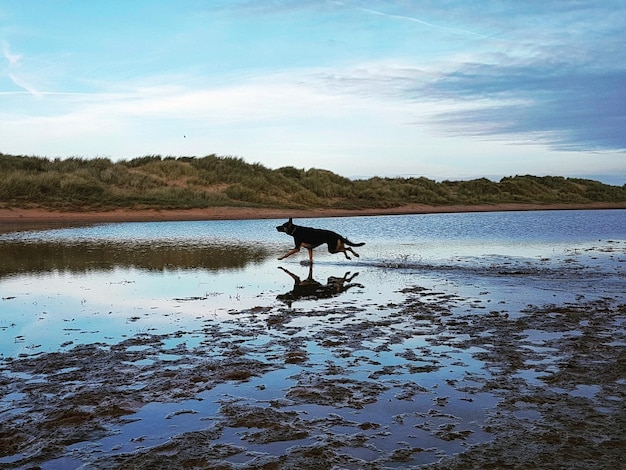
570, 415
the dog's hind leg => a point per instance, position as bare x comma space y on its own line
351, 251
341, 248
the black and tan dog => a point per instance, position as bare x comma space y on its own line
309, 238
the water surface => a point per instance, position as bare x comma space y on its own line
104, 282
389, 318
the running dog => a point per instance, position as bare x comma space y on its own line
309, 238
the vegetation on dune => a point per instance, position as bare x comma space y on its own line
188, 182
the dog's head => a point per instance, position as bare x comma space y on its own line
287, 227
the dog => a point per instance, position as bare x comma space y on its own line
309, 238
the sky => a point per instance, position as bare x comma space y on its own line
446, 89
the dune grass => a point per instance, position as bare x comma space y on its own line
158, 182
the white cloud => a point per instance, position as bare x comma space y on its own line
15, 72
13, 59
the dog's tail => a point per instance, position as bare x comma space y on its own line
348, 242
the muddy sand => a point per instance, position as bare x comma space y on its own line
560, 399
467, 380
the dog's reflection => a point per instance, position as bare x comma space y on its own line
309, 288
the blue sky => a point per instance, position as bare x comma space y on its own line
446, 89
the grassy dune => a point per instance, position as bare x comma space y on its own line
155, 182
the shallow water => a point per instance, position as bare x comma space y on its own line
106, 282
180, 281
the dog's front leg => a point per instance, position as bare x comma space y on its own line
290, 252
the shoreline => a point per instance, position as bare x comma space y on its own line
20, 218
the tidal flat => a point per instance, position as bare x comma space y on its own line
189, 345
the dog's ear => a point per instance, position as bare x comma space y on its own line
290, 221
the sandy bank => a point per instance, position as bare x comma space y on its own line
18, 217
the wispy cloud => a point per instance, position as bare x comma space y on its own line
14, 70
13, 59
428, 24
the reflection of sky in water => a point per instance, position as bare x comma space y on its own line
199, 232
470, 234
163, 276
56, 308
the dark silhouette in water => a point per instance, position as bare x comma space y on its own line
309, 288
